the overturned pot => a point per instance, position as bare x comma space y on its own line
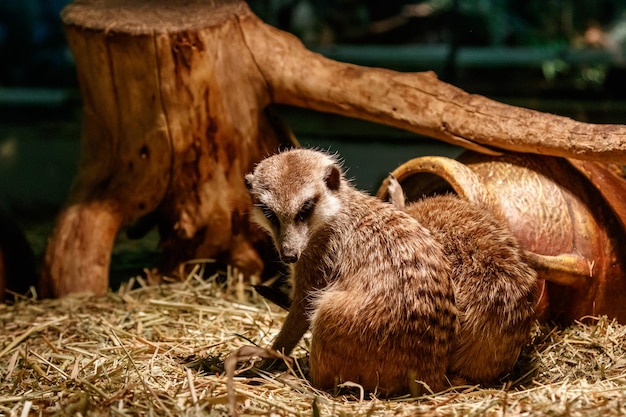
568, 216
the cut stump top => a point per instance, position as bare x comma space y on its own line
144, 17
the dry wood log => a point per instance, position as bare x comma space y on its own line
420, 103
174, 96
173, 118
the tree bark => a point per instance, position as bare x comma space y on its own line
420, 103
174, 95
173, 118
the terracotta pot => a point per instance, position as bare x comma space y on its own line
568, 215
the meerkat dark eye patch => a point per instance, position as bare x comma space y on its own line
269, 215
307, 209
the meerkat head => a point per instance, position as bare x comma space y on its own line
294, 195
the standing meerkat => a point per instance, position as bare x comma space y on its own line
494, 284
372, 283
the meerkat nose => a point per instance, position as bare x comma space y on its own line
289, 259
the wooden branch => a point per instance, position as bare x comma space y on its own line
175, 95
420, 103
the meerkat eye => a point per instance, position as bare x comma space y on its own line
306, 210
269, 215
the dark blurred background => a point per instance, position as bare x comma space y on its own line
572, 44
560, 56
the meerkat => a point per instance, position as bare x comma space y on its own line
494, 284
371, 283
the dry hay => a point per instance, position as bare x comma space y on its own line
159, 350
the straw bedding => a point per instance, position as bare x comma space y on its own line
159, 350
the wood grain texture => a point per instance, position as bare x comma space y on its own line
175, 95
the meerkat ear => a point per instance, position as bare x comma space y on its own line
248, 180
333, 177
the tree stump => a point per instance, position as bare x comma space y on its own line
174, 95
173, 118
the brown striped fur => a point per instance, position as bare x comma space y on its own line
378, 289
494, 285
370, 281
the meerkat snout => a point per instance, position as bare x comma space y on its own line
292, 240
